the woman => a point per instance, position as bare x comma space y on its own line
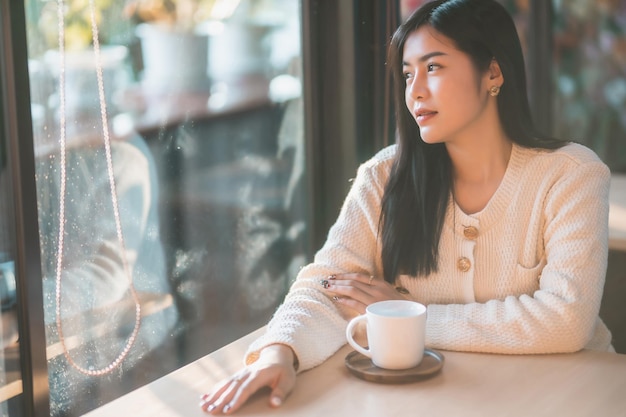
501, 232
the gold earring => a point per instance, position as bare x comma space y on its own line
494, 91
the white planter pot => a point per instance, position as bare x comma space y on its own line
237, 50
173, 61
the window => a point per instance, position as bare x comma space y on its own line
590, 76
169, 163
218, 196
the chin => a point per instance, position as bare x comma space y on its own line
431, 139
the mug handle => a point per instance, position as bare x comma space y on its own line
350, 336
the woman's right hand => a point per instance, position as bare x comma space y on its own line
274, 369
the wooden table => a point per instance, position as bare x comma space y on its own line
586, 384
617, 213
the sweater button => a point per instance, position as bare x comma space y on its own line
470, 232
463, 264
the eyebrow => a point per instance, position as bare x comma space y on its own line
426, 57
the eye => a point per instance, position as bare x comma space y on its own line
407, 74
432, 66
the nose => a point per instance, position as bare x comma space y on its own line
416, 88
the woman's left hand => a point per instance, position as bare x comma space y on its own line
357, 291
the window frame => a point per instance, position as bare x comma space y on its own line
18, 137
344, 49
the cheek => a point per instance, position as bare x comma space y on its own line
408, 100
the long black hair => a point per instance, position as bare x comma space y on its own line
417, 192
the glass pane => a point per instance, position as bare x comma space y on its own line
590, 76
10, 371
192, 190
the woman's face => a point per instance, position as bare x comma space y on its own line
445, 95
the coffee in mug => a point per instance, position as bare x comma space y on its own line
396, 332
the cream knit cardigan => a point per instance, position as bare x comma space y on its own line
537, 266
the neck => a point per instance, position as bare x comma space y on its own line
480, 161
478, 169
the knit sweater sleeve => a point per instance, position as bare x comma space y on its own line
308, 321
562, 314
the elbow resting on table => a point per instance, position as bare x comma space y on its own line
571, 335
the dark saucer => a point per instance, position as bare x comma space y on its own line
362, 366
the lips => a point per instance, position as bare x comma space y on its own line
422, 115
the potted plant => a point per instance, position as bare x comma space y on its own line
171, 15
174, 49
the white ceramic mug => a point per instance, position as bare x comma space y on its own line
396, 331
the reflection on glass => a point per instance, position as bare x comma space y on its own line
590, 76
10, 375
201, 209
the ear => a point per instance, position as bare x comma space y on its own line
495, 73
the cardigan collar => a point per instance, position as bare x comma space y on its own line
500, 200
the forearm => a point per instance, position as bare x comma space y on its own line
523, 325
308, 322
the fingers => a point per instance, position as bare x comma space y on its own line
236, 398
361, 278
351, 293
228, 398
280, 392
360, 287
355, 305
357, 291
207, 399
233, 393
219, 400
362, 282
